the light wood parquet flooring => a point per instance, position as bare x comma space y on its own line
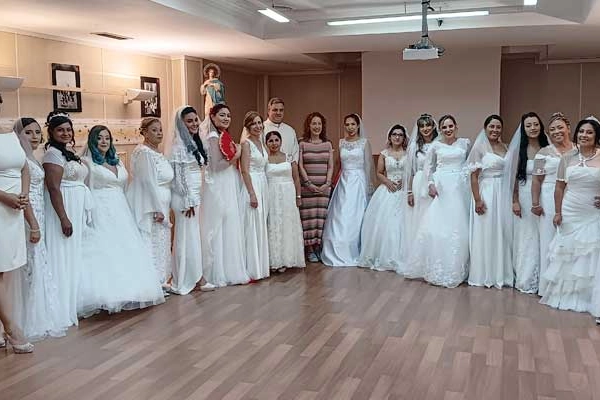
320, 334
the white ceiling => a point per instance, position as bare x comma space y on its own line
232, 30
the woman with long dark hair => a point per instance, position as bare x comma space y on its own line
221, 222
188, 158
526, 241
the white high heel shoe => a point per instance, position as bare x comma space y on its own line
23, 348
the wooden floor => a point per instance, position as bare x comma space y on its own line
320, 334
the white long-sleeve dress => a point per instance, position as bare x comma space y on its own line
65, 254
441, 247
116, 273
149, 192
256, 237
383, 222
341, 234
221, 220
186, 193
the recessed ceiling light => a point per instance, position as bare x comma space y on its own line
274, 15
529, 2
112, 35
408, 18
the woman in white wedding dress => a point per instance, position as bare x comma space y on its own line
573, 281
149, 197
418, 199
286, 242
254, 197
441, 247
116, 273
384, 218
221, 221
38, 309
188, 158
526, 230
341, 234
545, 166
492, 168
68, 213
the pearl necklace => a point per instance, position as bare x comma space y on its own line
583, 161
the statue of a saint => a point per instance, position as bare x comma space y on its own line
212, 89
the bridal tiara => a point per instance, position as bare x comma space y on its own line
60, 114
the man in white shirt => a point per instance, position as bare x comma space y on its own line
289, 141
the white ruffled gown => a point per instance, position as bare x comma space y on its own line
117, 273
441, 248
148, 192
286, 240
341, 233
573, 281
221, 223
256, 237
38, 312
65, 254
546, 165
383, 222
414, 215
526, 240
489, 244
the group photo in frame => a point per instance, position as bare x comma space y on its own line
66, 75
150, 108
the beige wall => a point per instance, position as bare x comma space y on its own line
102, 71
334, 94
569, 88
466, 85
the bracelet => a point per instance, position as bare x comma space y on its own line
34, 230
536, 206
298, 197
410, 192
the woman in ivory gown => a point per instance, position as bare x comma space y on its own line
117, 271
341, 234
38, 307
14, 199
68, 213
187, 157
149, 197
221, 222
384, 218
526, 239
254, 197
492, 168
441, 247
418, 199
545, 166
573, 281
286, 242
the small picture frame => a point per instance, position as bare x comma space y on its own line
66, 75
150, 108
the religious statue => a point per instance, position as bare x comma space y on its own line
212, 89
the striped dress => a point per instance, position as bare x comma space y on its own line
313, 211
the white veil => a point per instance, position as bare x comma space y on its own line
18, 128
411, 152
183, 146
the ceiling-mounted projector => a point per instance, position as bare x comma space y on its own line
424, 49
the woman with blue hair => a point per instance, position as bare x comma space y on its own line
118, 271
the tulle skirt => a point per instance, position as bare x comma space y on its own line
526, 243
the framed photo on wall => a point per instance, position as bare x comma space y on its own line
65, 75
151, 108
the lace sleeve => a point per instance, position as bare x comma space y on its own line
539, 165
181, 186
561, 173
216, 161
430, 164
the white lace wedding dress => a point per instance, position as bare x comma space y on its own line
381, 232
441, 247
286, 242
117, 272
526, 239
38, 312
